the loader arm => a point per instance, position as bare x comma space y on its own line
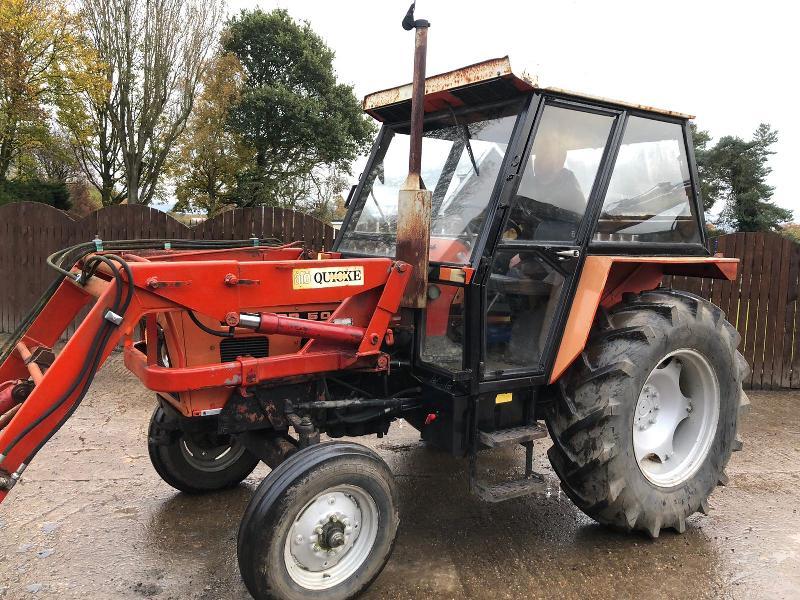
230, 287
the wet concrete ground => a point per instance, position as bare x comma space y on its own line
92, 520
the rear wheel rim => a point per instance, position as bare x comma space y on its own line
210, 458
676, 416
331, 537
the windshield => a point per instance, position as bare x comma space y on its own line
461, 156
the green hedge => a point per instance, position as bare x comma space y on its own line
54, 194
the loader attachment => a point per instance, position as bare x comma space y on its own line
225, 291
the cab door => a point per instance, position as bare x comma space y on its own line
539, 252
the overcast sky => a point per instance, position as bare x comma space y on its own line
732, 64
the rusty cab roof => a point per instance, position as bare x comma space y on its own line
488, 81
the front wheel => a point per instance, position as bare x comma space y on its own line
645, 421
321, 525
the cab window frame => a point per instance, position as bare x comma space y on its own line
647, 247
523, 375
518, 130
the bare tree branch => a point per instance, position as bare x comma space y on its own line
157, 51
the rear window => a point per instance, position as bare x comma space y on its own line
650, 197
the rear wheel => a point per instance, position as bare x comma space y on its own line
196, 463
321, 525
645, 421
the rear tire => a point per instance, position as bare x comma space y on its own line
322, 525
605, 402
196, 464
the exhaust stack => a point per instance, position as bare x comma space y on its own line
414, 201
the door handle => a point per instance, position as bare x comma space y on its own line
564, 254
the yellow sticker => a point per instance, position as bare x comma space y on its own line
503, 398
325, 277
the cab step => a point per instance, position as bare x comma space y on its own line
513, 436
507, 490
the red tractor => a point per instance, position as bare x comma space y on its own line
510, 277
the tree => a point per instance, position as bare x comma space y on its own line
709, 190
45, 61
735, 171
791, 231
94, 139
325, 200
292, 111
156, 52
209, 155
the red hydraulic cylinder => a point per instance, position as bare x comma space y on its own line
271, 323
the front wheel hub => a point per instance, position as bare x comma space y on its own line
331, 537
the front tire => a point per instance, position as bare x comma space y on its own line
644, 422
321, 525
196, 464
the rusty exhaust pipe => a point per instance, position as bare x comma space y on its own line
414, 201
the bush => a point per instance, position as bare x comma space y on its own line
34, 190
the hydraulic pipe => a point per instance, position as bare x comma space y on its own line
271, 323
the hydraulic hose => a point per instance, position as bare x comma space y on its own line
62, 261
95, 349
208, 330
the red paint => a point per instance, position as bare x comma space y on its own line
201, 282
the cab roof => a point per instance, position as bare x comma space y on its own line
488, 81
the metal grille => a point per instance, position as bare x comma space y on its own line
232, 348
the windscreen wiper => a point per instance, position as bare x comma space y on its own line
465, 135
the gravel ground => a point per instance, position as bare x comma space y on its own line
92, 520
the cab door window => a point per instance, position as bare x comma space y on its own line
522, 299
559, 175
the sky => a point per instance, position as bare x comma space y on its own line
732, 64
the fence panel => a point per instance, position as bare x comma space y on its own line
762, 303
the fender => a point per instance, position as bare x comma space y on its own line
603, 281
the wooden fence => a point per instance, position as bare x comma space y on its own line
29, 232
762, 303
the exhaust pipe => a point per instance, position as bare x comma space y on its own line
414, 201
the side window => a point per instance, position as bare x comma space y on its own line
559, 176
522, 298
649, 197
443, 339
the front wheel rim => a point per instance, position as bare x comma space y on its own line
331, 537
676, 416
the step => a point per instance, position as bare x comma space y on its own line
513, 436
535, 484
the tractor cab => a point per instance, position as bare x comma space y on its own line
526, 182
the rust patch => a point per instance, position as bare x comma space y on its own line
482, 71
485, 71
413, 242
